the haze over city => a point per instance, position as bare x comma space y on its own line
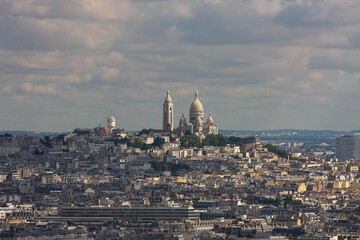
257, 64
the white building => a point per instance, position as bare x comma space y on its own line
111, 123
196, 124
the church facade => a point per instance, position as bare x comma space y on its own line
196, 124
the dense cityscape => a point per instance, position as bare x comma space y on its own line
180, 119
185, 182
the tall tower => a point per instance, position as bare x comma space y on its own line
168, 113
111, 123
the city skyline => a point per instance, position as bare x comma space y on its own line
257, 64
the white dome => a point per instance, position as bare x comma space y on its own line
111, 118
196, 105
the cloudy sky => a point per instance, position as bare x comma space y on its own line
258, 64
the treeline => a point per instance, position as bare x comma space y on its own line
210, 140
136, 143
287, 201
188, 140
276, 150
6, 135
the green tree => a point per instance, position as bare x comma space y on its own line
145, 146
128, 141
289, 200
235, 140
276, 150
137, 144
176, 167
61, 138
144, 131
190, 141
215, 140
46, 142
37, 152
158, 142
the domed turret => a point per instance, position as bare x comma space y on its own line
182, 120
210, 119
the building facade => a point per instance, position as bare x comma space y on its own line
348, 147
9, 149
133, 214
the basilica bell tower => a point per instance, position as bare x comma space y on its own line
168, 113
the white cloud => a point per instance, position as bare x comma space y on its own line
268, 63
268, 7
184, 11
38, 89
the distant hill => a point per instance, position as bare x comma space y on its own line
30, 133
278, 132
289, 132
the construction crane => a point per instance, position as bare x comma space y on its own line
232, 208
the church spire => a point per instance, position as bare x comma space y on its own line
168, 98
